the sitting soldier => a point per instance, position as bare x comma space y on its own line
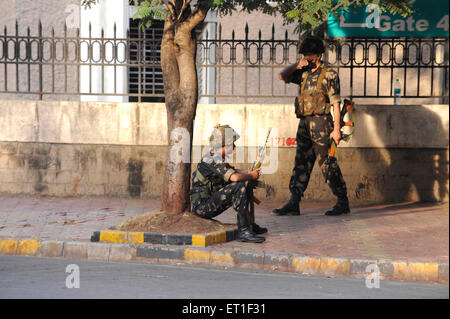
217, 185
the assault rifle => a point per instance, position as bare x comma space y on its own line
348, 106
254, 184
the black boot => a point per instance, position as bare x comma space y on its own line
342, 207
291, 208
245, 234
258, 229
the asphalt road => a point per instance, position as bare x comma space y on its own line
29, 277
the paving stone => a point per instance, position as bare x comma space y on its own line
381, 232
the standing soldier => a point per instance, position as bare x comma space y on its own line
319, 90
217, 185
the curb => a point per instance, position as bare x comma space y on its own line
229, 258
202, 240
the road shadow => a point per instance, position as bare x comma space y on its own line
312, 215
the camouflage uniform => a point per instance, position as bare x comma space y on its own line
212, 191
313, 137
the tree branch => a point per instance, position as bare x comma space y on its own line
171, 8
197, 16
186, 3
165, 5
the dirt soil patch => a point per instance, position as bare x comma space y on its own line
172, 223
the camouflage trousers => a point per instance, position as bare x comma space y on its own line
234, 194
313, 143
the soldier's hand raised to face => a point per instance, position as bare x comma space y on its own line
302, 63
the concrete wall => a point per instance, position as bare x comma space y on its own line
119, 149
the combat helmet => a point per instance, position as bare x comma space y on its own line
223, 135
312, 44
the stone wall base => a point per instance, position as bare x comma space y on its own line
71, 170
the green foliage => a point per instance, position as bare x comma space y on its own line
147, 11
88, 3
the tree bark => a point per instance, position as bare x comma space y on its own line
178, 53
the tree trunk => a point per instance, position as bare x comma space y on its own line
178, 51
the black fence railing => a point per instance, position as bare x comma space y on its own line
230, 70
373, 65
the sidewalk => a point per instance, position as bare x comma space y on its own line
409, 232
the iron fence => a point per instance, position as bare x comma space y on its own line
231, 70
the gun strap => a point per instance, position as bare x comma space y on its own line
321, 77
305, 79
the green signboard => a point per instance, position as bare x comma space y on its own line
430, 19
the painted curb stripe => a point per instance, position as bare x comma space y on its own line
28, 247
113, 237
137, 238
198, 240
8, 246
416, 271
19, 247
389, 270
197, 255
202, 240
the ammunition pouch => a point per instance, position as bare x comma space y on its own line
312, 101
197, 193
